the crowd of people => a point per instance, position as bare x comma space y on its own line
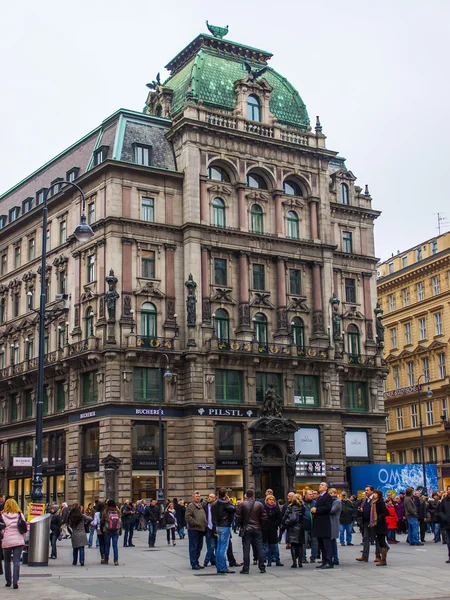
317, 521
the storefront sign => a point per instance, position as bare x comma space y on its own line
203, 467
89, 464
88, 415
307, 441
221, 462
145, 463
22, 461
310, 468
149, 412
333, 468
356, 444
35, 510
224, 412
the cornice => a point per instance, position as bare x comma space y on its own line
357, 210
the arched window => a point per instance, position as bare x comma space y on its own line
256, 181
148, 321
344, 193
257, 219
89, 322
291, 188
292, 221
218, 174
253, 109
222, 325
218, 212
260, 328
158, 111
353, 340
298, 332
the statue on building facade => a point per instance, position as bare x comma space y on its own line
273, 403
191, 301
379, 323
111, 295
336, 318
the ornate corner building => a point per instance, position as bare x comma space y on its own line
414, 293
232, 247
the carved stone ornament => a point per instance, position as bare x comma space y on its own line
219, 190
261, 299
273, 403
101, 308
369, 331
282, 321
29, 277
257, 461
48, 270
257, 196
318, 322
111, 296
60, 262
353, 313
149, 289
379, 323
77, 316
334, 301
223, 295
299, 305
293, 203
244, 314
87, 295
206, 310
14, 285
191, 301
127, 306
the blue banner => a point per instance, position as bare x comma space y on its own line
388, 477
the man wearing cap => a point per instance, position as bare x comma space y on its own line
346, 520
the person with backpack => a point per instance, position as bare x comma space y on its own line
55, 529
169, 521
112, 528
15, 528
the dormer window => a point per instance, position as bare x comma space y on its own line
142, 155
344, 193
72, 174
3, 219
291, 188
100, 155
14, 214
158, 110
55, 187
254, 109
27, 205
40, 196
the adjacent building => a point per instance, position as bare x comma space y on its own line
231, 248
414, 293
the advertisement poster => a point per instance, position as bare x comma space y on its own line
35, 510
387, 477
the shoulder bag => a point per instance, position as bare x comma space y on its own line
243, 528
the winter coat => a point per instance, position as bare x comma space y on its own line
400, 509
11, 535
251, 514
127, 514
104, 519
420, 507
382, 512
410, 507
347, 512
392, 518
270, 529
180, 511
79, 537
55, 523
65, 514
222, 513
444, 513
196, 517
169, 519
293, 524
152, 514
335, 514
308, 517
321, 522
433, 508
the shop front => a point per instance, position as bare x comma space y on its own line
19, 472
229, 452
53, 466
90, 492
310, 468
145, 459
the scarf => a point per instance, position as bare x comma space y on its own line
373, 514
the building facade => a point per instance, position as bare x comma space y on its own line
232, 247
414, 293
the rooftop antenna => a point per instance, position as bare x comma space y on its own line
441, 221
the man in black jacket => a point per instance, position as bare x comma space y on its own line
152, 515
421, 508
444, 517
222, 515
322, 526
251, 516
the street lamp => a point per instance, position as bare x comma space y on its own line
83, 233
428, 393
168, 377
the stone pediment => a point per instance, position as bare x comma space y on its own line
257, 196
149, 289
353, 313
344, 175
219, 190
293, 203
261, 299
299, 305
27, 322
273, 428
223, 295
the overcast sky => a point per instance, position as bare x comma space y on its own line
377, 73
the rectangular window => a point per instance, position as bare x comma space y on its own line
89, 387
419, 253
405, 293
396, 373
422, 328
60, 397
420, 292
2, 310
4, 263
355, 394
350, 290
404, 261
399, 418
390, 268
432, 454
416, 456
444, 408
402, 457
148, 209
148, 385
29, 348
438, 323
142, 155
259, 282
62, 282
16, 305
410, 367
99, 156
62, 232
91, 213
394, 337
16, 257
407, 333
295, 282
434, 247
414, 416
387, 423
426, 369
446, 453
228, 386
91, 268
27, 205
148, 265
306, 390
13, 408
441, 366
435, 285
31, 249
28, 404
72, 174
347, 241
220, 271
14, 214
391, 298
40, 195
264, 381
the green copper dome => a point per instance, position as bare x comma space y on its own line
208, 68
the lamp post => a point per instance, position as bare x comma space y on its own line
83, 233
167, 377
429, 393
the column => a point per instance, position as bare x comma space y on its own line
203, 201
127, 277
244, 296
243, 226
282, 325
170, 284
206, 297
368, 307
314, 225
278, 214
318, 326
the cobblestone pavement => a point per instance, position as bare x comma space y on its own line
164, 573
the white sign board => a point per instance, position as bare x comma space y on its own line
302, 400
307, 441
22, 461
356, 444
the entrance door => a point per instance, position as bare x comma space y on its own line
272, 478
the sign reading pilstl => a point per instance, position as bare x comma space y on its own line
22, 461
35, 510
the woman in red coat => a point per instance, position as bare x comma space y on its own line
391, 521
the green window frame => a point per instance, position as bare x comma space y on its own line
60, 397
293, 225
260, 328
28, 404
148, 264
306, 390
347, 241
291, 188
13, 409
257, 219
62, 232
295, 282
89, 387
45, 402
89, 322
350, 290
148, 385
220, 271
353, 340
263, 381
298, 332
259, 278
228, 386
148, 209
218, 174
355, 394
148, 320
222, 325
253, 108
219, 212
344, 193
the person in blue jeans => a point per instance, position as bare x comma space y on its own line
222, 515
411, 517
346, 520
211, 538
152, 515
128, 513
270, 532
196, 520
112, 529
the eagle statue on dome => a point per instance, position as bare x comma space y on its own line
218, 32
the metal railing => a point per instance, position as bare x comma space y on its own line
312, 352
83, 346
30, 364
280, 349
154, 343
362, 360
234, 346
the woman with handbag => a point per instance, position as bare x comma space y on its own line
378, 525
292, 523
78, 524
13, 540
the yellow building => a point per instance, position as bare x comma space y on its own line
414, 293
